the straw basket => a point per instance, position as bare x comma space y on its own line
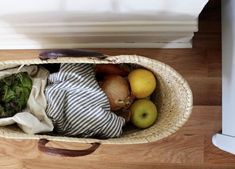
173, 98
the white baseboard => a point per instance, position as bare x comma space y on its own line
167, 34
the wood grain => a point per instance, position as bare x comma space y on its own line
216, 156
179, 148
206, 90
189, 148
201, 68
61, 165
203, 121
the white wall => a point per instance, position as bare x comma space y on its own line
99, 10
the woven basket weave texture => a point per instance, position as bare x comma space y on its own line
173, 98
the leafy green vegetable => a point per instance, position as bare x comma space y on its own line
14, 93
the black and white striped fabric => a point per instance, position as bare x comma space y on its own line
78, 106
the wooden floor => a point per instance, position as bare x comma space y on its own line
189, 148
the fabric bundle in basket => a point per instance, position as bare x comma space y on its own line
78, 106
173, 98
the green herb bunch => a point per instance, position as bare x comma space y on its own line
14, 93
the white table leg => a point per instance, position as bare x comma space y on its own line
226, 140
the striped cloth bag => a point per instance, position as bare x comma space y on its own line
78, 106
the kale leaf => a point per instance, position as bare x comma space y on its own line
14, 93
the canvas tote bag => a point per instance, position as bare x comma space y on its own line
33, 118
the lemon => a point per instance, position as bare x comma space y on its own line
142, 82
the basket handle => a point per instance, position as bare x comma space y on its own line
65, 152
53, 54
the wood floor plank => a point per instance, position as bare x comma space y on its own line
214, 27
181, 149
188, 62
184, 147
207, 41
10, 163
211, 12
68, 164
201, 68
209, 35
189, 148
214, 155
18, 54
206, 90
214, 58
204, 120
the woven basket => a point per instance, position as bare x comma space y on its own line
173, 98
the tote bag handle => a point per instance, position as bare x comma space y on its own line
65, 152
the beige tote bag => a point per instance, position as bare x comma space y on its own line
33, 119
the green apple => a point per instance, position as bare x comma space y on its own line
143, 113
